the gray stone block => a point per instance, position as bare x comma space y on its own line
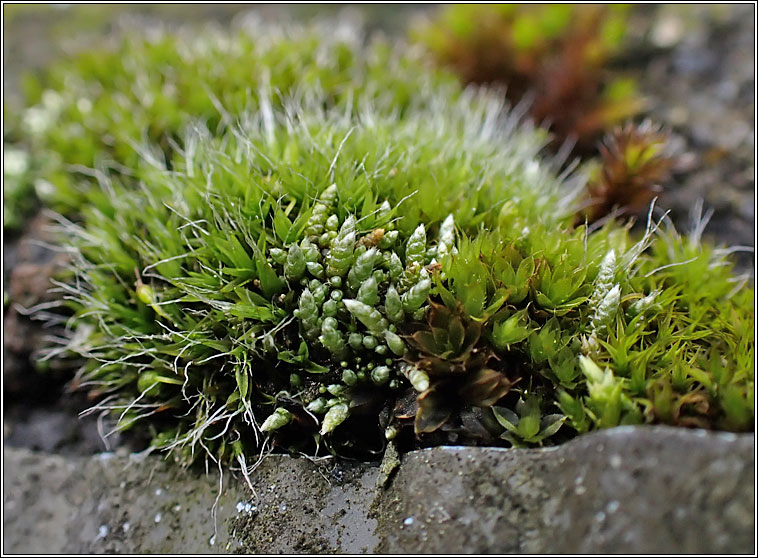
626, 490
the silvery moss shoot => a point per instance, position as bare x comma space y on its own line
331, 246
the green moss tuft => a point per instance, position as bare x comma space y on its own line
374, 254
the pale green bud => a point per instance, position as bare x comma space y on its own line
335, 416
340, 257
349, 378
362, 268
335, 389
308, 313
310, 251
355, 340
278, 255
417, 377
416, 295
393, 305
388, 240
331, 338
380, 375
394, 342
319, 294
332, 223
315, 269
318, 216
606, 310
447, 237
415, 249
280, 417
395, 266
329, 196
604, 279
369, 292
318, 405
330, 308
294, 267
367, 315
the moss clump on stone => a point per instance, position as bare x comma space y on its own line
324, 272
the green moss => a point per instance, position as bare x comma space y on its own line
265, 276
107, 109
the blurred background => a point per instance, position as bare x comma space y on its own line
584, 71
689, 68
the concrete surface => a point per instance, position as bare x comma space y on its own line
626, 490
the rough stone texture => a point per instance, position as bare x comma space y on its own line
627, 490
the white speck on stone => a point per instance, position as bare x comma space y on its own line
240, 507
102, 532
158, 517
283, 508
105, 456
212, 540
615, 461
612, 506
158, 491
600, 517
177, 508
126, 526
408, 521
579, 490
122, 485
